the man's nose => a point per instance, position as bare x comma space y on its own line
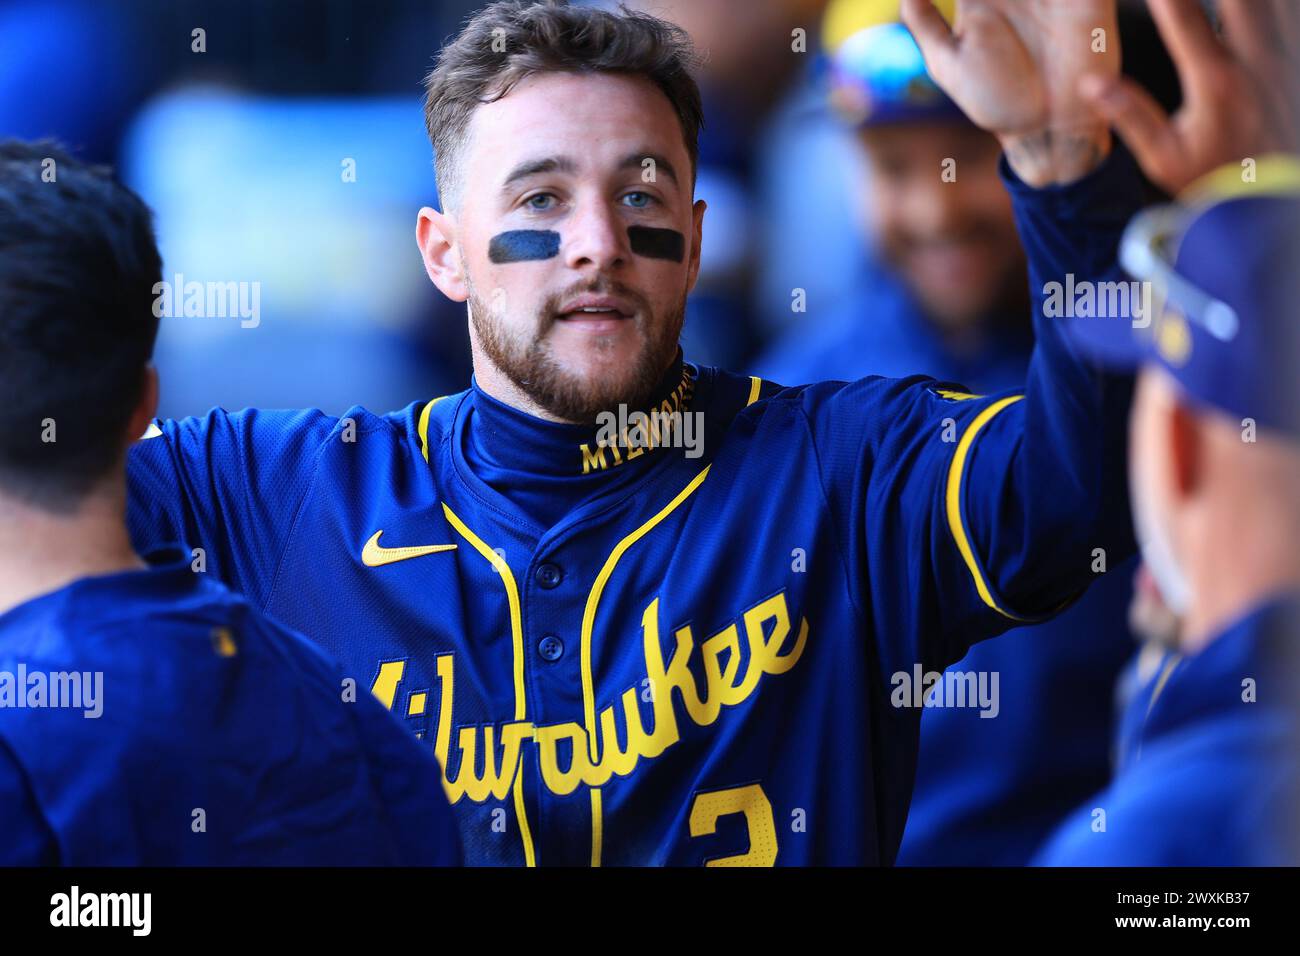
595, 238
937, 207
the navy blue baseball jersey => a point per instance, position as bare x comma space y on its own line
1209, 776
688, 641
154, 718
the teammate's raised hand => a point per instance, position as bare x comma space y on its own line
1239, 90
1015, 68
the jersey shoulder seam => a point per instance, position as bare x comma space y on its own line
836, 530
297, 514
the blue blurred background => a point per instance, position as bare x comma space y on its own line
243, 150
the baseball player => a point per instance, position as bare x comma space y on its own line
148, 715
1208, 774
645, 611
1210, 768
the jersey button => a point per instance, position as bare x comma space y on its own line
549, 575
550, 647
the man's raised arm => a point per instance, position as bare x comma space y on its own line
1036, 491
227, 487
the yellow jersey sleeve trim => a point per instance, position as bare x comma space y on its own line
755, 386
956, 471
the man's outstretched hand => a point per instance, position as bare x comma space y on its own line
1017, 68
1239, 90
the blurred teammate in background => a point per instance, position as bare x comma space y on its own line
948, 296
1209, 773
135, 699
947, 285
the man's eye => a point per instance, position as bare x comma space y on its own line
546, 201
639, 200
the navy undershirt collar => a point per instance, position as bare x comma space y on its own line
546, 469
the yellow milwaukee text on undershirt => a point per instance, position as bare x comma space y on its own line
627, 436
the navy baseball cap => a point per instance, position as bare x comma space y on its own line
1219, 279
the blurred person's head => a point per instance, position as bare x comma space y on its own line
731, 34
936, 208
78, 269
954, 243
1214, 445
565, 144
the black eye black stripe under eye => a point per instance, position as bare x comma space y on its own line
522, 245
657, 243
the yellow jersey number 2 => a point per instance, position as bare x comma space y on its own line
750, 800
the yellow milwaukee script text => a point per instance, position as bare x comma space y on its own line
592, 754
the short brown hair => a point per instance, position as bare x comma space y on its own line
507, 41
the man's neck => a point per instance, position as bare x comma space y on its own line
43, 551
1239, 574
497, 384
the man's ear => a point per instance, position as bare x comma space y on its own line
1186, 449
697, 216
435, 233
146, 408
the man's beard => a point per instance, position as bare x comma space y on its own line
530, 364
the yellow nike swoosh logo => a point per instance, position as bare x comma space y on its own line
373, 556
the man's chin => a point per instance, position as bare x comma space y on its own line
577, 368
587, 354
589, 388
578, 383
